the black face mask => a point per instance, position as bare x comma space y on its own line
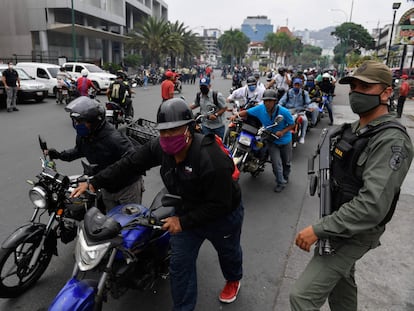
361, 103
204, 89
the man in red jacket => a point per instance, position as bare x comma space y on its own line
404, 90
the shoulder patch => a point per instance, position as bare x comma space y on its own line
397, 157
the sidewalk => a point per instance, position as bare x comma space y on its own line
385, 275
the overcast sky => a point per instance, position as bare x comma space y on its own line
296, 14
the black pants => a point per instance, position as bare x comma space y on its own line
400, 105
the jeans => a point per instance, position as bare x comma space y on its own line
11, 97
224, 234
129, 194
218, 131
281, 155
315, 113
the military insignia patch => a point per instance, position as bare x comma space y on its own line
398, 155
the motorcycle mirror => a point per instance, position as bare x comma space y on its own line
42, 143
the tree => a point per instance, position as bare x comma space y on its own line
279, 44
309, 57
233, 44
352, 38
156, 39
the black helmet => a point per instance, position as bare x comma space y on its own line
173, 113
120, 74
281, 70
269, 94
86, 109
251, 80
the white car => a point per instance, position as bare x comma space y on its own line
42, 72
29, 87
100, 78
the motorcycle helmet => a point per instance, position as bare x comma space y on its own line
326, 75
84, 73
251, 80
281, 70
269, 95
86, 109
173, 113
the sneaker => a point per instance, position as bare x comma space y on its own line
279, 188
301, 140
230, 291
9, 110
15, 109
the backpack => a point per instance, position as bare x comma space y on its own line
215, 100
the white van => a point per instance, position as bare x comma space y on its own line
42, 72
99, 77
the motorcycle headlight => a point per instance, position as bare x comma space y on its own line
38, 197
245, 140
89, 256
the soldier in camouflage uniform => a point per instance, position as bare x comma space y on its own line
365, 184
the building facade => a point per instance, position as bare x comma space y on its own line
90, 30
256, 28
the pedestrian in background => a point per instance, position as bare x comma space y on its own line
403, 93
11, 82
366, 174
167, 86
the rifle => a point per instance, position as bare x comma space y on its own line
321, 181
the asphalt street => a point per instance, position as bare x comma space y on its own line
271, 261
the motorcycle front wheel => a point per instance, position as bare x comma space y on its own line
15, 274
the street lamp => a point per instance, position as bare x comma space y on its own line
395, 7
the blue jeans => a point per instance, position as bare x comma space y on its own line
224, 234
281, 156
218, 131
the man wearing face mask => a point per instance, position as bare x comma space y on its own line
297, 99
250, 93
213, 105
369, 161
195, 168
100, 143
11, 82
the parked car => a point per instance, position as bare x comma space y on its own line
100, 78
29, 88
42, 72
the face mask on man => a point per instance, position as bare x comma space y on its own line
10, 66
296, 89
172, 145
252, 88
82, 130
361, 103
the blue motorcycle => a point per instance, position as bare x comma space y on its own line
250, 153
126, 247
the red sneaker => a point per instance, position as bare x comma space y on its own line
229, 292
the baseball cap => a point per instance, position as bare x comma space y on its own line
169, 74
205, 81
370, 72
297, 81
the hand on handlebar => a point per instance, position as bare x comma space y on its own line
81, 188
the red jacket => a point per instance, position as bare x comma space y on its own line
404, 89
83, 85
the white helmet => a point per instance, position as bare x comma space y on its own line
84, 73
326, 75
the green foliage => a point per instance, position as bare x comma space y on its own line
233, 44
111, 67
352, 38
133, 60
157, 39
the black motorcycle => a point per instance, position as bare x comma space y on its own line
27, 252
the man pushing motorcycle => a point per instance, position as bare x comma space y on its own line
280, 150
194, 167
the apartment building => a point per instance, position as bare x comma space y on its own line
85, 30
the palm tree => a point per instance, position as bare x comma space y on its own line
279, 44
233, 43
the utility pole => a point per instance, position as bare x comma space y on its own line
73, 34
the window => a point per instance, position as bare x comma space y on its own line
41, 73
78, 68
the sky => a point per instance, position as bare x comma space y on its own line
296, 14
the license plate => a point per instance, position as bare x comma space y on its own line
39, 93
65, 92
109, 113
